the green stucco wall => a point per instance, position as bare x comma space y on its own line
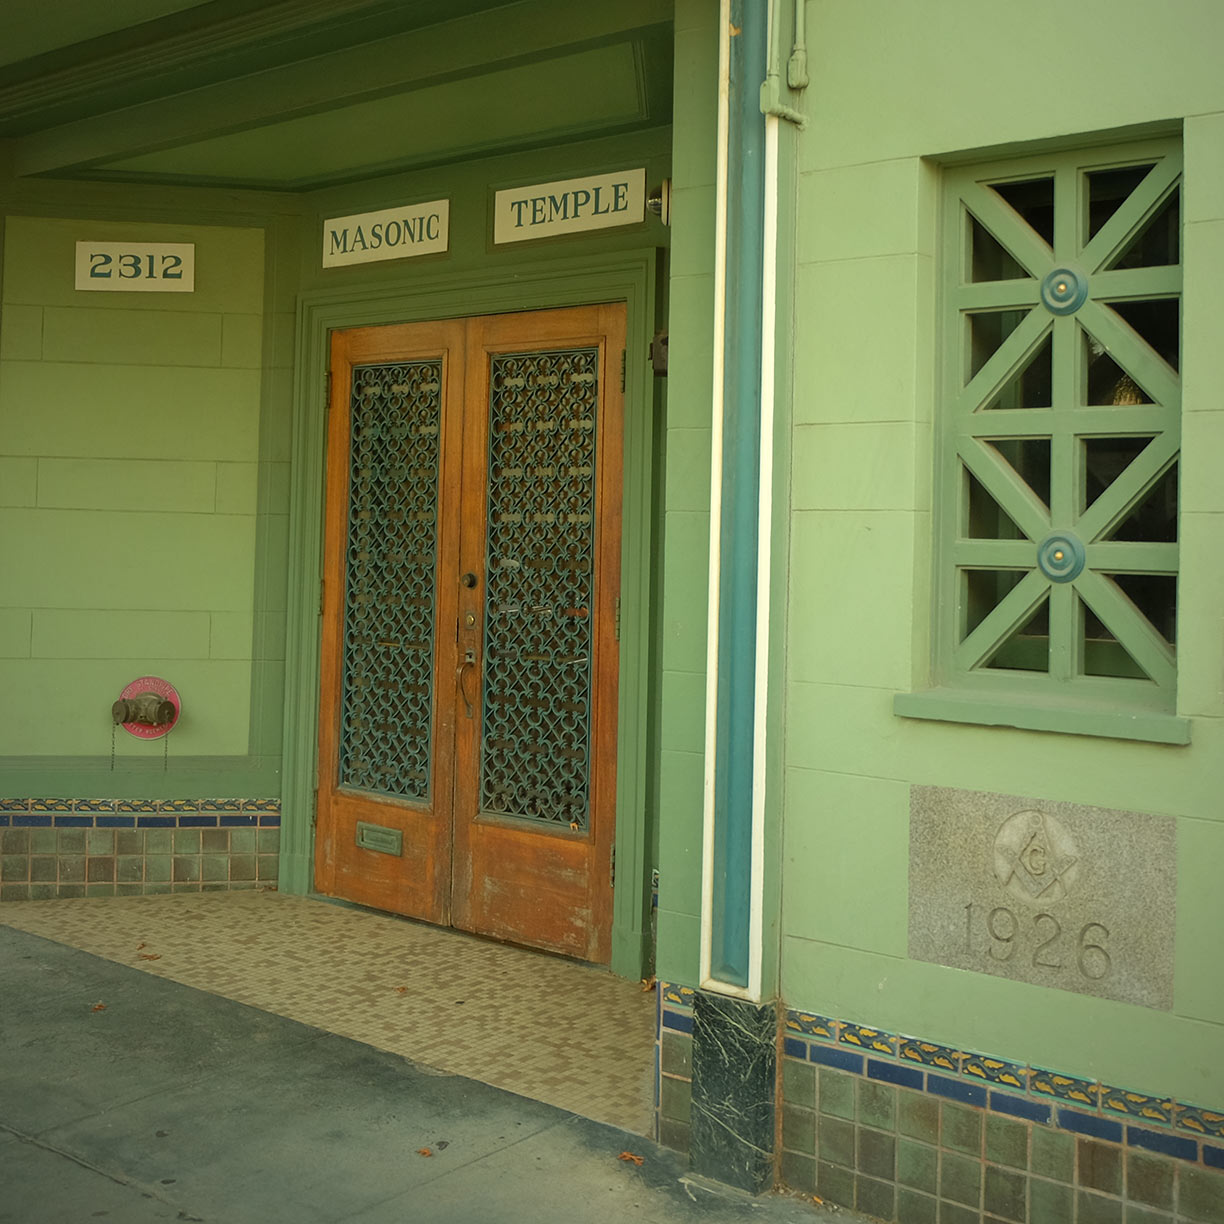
130, 429
895, 88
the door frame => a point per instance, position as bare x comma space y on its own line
631, 277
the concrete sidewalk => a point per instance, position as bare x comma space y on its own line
128, 1098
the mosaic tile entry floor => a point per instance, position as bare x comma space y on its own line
559, 1032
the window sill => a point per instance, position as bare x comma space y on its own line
1071, 718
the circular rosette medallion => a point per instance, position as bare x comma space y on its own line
1064, 290
1061, 556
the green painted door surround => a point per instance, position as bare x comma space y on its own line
628, 277
476, 279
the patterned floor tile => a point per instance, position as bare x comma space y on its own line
546, 1028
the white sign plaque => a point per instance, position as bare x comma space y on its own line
390, 233
569, 206
136, 267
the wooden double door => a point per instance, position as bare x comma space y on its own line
467, 728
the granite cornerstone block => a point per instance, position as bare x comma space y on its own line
1057, 894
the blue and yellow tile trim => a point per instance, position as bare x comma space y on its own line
908, 1129
139, 813
62, 848
895, 1125
1033, 1092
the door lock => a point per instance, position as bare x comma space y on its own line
469, 620
468, 580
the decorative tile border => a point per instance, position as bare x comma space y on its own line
1000, 1105
39, 813
676, 996
1034, 1093
820, 1027
63, 848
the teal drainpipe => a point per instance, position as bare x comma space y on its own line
731, 877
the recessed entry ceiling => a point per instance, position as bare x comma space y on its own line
299, 94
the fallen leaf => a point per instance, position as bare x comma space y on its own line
648, 984
629, 1156
424, 1152
148, 956
818, 1200
98, 1007
401, 990
574, 825
140, 945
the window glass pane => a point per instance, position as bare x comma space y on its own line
1034, 201
1153, 519
1105, 459
1158, 242
1155, 595
1107, 382
984, 590
1031, 459
1103, 654
1107, 189
990, 261
1028, 648
1030, 386
987, 519
987, 331
1158, 322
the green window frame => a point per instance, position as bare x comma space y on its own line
1058, 435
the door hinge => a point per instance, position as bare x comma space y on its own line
314, 808
327, 389
618, 618
658, 354
612, 869
322, 593
622, 370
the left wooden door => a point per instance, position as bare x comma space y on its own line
387, 714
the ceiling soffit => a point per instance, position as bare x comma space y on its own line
249, 99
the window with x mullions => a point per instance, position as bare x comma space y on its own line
1061, 414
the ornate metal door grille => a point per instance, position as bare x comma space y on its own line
390, 562
540, 567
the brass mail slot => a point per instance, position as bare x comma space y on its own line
380, 838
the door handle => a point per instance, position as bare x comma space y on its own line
469, 661
468, 580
